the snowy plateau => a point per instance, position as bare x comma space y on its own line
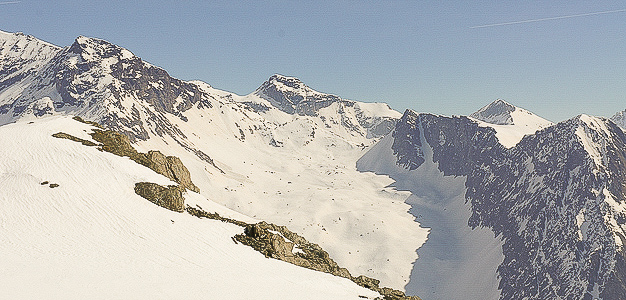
501, 204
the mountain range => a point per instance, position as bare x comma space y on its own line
501, 204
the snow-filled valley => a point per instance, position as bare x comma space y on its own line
456, 262
92, 237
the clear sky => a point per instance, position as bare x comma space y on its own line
422, 55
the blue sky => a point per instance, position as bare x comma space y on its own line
422, 55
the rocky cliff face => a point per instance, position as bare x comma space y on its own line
292, 96
620, 119
557, 199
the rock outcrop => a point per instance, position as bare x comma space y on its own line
170, 197
169, 166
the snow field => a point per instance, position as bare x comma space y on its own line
92, 237
309, 183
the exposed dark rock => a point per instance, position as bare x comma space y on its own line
312, 256
200, 213
172, 167
95, 124
169, 166
405, 147
53, 185
63, 135
531, 195
170, 197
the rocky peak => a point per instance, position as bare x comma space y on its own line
557, 194
93, 49
291, 95
288, 83
620, 119
497, 112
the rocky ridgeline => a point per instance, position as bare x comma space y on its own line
533, 195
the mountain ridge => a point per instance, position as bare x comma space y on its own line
535, 196
286, 153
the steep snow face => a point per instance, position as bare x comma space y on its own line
466, 269
92, 237
21, 57
620, 119
555, 202
511, 123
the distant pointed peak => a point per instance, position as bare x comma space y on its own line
620, 119
497, 112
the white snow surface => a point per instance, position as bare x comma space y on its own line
92, 237
307, 181
455, 261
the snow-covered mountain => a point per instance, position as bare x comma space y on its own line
542, 219
620, 119
502, 204
245, 152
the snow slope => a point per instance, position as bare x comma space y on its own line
299, 171
92, 237
510, 122
290, 164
